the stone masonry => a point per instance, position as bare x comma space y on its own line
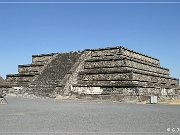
115, 73
1, 80
4, 86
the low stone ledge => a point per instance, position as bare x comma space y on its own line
20, 84
121, 48
128, 76
109, 83
106, 48
7, 85
110, 77
120, 70
153, 78
30, 69
136, 55
138, 93
125, 63
42, 55
105, 71
43, 59
87, 90
119, 57
124, 58
127, 83
113, 97
19, 79
31, 65
20, 75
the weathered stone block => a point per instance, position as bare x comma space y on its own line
106, 77
43, 58
125, 63
119, 50
32, 68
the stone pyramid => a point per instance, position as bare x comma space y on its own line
113, 72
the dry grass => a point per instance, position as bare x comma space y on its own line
172, 102
176, 101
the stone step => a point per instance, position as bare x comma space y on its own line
119, 70
126, 83
116, 58
30, 68
125, 63
107, 83
128, 76
42, 85
6, 85
20, 77
120, 50
42, 58
106, 77
155, 79
19, 84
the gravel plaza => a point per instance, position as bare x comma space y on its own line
49, 116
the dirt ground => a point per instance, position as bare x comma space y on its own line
74, 117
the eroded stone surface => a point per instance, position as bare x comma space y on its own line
115, 73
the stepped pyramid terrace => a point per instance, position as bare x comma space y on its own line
115, 73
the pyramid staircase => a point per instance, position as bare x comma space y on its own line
53, 74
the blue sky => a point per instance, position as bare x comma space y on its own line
26, 29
